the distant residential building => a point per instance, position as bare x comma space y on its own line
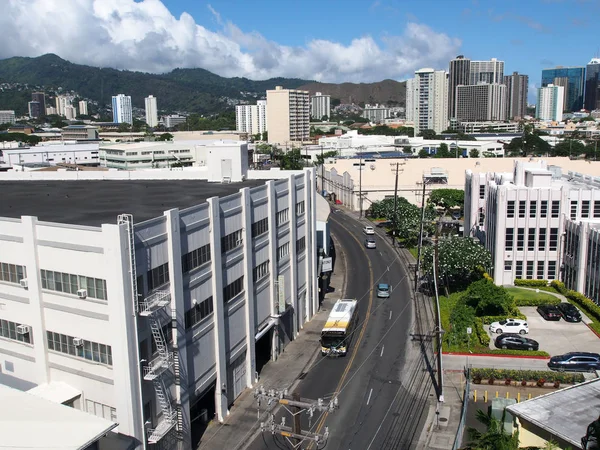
83, 108
592, 85
491, 71
51, 110
7, 116
34, 109
459, 74
70, 112
576, 81
61, 104
410, 100
429, 92
550, 103
151, 111
376, 114
288, 115
320, 105
516, 95
251, 119
40, 97
481, 102
121, 107
173, 120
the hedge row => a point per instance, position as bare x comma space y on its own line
526, 375
590, 308
531, 283
482, 336
536, 301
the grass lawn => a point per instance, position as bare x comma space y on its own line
414, 251
526, 294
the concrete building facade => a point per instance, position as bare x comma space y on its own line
34, 109
251, 119
376, 115
516, 95
592, 85
40, 97
53, 153
491, 71
576, 84
429, 91
550, 102
121, 108
7, 116
458, 75
151, 111
288, 116
83, 108
320, 106
481, 102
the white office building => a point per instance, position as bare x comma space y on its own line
83, 108
550, 102
121, 108
251, 119
52, 153
149, 322
320, 106
7, 116
171, 121
151, 111
62, 102
427, 100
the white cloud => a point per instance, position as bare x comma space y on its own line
145, 36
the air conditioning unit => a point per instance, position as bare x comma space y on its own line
22, 329
24, 283
77, 342
82, 293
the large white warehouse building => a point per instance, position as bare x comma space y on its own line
152, 318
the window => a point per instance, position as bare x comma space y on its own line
158, 276
482, 191
519, 269
544, 208
555, 208
195, 258
551, 270
531, 239
198, 312
542, 239
8, 330
70, 284
596, 209
520, 238
100, 410
481, 217
510, 209
283, 251
553, 239
260, 271
522, 208
508, 265
233, 289
510, 236
529, 270
231, 241
283, 216
573, 209
533, 208
585, 209
260, 227
301, 244
540, 270
12, 273
92, 351
300, 208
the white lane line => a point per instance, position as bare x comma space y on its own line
369, 399
390, 316
382, 347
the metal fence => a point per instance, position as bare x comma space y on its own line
463, 412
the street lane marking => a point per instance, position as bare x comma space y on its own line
369, 399
390, 316
381, 354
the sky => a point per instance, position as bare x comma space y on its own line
326, 40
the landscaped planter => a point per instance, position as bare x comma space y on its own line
524, 378
517, 383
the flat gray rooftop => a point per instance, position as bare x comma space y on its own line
96, 202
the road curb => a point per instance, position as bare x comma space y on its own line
494, 355
593, 331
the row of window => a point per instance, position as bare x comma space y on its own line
12, 273
198, 312
91, 351
283, 216
233, 289
509, 243
533, 208
260, 227
260, 271
101, 410
300, 208
158, 276
195, 258
530, 267
70, 284
231, 241
12, 330
301, 244
283, 250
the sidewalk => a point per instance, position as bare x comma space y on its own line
238, 429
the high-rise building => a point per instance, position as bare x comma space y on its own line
251, 119
564, 82
83, 108
429, 100
39, 97
516, 95
70, 112
460, 69
482, 102
288, 115
151, 111
7, 116
35, 110
410, 100
61, 103
491, 71
576, 77
550, 103
592, 85
51, 110
320, 106
121, 107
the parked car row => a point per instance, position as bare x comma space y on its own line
565, 310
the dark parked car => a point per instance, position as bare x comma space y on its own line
549, 312
569, 312
575, 361
514, 341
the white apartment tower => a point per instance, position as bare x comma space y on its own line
320, 106
61, 104
83, 108
251, 119
151, 111
288, 116
121, 107
70, 112
429, 92
550, 103
491, 71
481, 102
410, 100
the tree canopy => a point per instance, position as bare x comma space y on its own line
447, 198
487, 299
406, 224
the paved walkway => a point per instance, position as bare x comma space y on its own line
239, 427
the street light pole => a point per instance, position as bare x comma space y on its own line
360, 184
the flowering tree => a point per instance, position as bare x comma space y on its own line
406, 225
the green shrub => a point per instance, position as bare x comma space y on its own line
531, 283
519, 352
536, 301
526, 375
482, 336
559, 286
587, 305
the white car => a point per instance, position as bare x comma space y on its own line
368, 230
510, 326
370, 243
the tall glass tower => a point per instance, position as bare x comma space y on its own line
576, 80
592, 85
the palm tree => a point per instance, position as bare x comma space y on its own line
495, 438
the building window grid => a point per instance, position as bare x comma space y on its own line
522, 208
12, 273
231, 241
520, 238
261, 271
529, 270
198, 312
519, 269
8, 330
573, 209
101, 410
540, 270
509, 243
533, 209
233, 289
92, 351
555, 208
283, 250
300, 208
260, 227
158, 276
482, 191
510, 209
531, 239
551, 270
585, 209
70, 284
544, 208
301, 245
195, 258
542, 239
553, 244
283, 216
508, 264
596, 209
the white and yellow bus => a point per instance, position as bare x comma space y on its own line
339, 328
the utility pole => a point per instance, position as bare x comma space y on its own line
322, 171
295, 406
360, 183
438, 327
418, 267
395, 204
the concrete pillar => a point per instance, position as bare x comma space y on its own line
273, 265
293, 252
312, 287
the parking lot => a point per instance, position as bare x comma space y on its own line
558, 337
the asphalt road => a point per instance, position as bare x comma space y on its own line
382, 384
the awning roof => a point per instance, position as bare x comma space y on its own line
55, 391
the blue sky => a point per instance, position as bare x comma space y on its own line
326, 40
